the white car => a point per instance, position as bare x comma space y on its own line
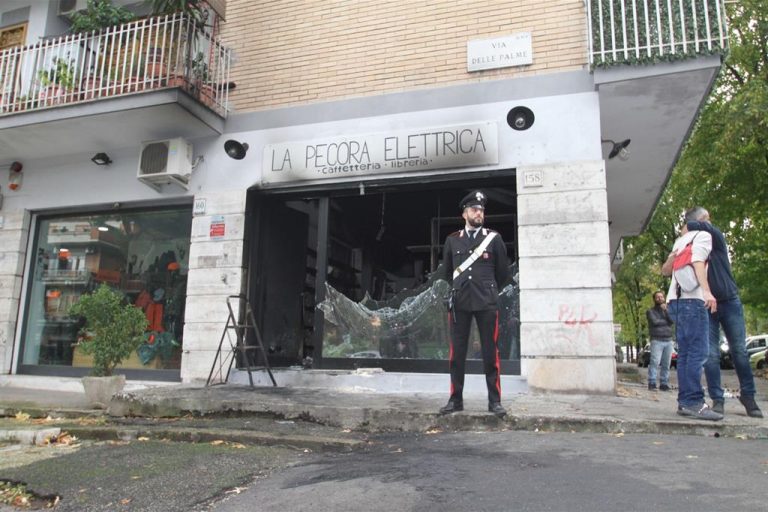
757, 360
756, 343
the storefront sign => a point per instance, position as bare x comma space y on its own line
417, 149
218, 227
502, 52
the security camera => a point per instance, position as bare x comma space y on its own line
520, 118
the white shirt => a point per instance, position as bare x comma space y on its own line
702, 246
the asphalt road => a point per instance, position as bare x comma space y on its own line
521, 471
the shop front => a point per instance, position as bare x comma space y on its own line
347, 274
142, 253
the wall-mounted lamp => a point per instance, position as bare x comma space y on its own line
520, 118
15, 176
619, 149
101, 159
235, 149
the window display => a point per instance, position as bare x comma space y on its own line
143, 254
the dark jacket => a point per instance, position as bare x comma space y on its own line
719, 276
477, 288
659, 324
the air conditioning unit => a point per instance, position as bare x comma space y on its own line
68, 7
163, 162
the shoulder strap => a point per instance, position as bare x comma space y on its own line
480, 249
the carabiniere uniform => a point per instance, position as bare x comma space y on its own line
474, 293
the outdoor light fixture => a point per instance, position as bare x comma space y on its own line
235, 149
15, 175
101, 159
520, 118
619, 149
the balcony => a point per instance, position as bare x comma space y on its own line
647, 31
154, 78
654, 63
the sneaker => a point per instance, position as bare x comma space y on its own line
664, 387
753, 411
651, 387
718, 406
702, 412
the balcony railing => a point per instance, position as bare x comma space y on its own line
638, 31
144, 55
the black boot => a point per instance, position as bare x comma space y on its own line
451, 407
753, 411
497, 409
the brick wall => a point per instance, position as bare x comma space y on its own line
292, 52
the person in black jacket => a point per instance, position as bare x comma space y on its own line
661, 333
729, 316
476, 267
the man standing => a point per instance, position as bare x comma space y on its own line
729, 315
475, 264
660, 331
690, 298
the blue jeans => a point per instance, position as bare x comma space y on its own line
692, 329
661, 353
729, 315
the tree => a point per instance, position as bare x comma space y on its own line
723, 167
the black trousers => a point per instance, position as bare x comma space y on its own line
488, 326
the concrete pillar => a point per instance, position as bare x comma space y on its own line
216, 270
566, 308
14, 234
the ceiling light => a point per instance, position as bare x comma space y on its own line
101, 159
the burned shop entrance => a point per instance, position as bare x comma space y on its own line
349, 278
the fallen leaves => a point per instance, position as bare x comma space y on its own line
21, 416
62, 439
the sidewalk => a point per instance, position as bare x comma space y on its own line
633, 409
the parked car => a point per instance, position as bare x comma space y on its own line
758, 360
644, 357
756, 343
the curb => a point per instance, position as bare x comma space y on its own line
380, 420
205, 435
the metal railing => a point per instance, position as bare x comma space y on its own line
144, 55
636, 31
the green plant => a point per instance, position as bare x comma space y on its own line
112, 330
98, 15
200, 69
61, 74
192, 8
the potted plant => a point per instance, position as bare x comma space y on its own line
113, 330
193, 8
98, 15
58, 81
201, 80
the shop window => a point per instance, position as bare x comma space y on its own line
384, 298
143, 254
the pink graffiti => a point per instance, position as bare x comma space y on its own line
578, 322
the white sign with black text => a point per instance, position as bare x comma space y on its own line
501, 52
417, 149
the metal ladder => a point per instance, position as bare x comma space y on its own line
225, 357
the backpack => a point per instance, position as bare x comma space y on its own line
683, 270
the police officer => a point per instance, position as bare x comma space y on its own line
475, 264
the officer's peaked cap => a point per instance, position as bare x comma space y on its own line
474, 198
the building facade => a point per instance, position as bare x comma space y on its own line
352, 130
